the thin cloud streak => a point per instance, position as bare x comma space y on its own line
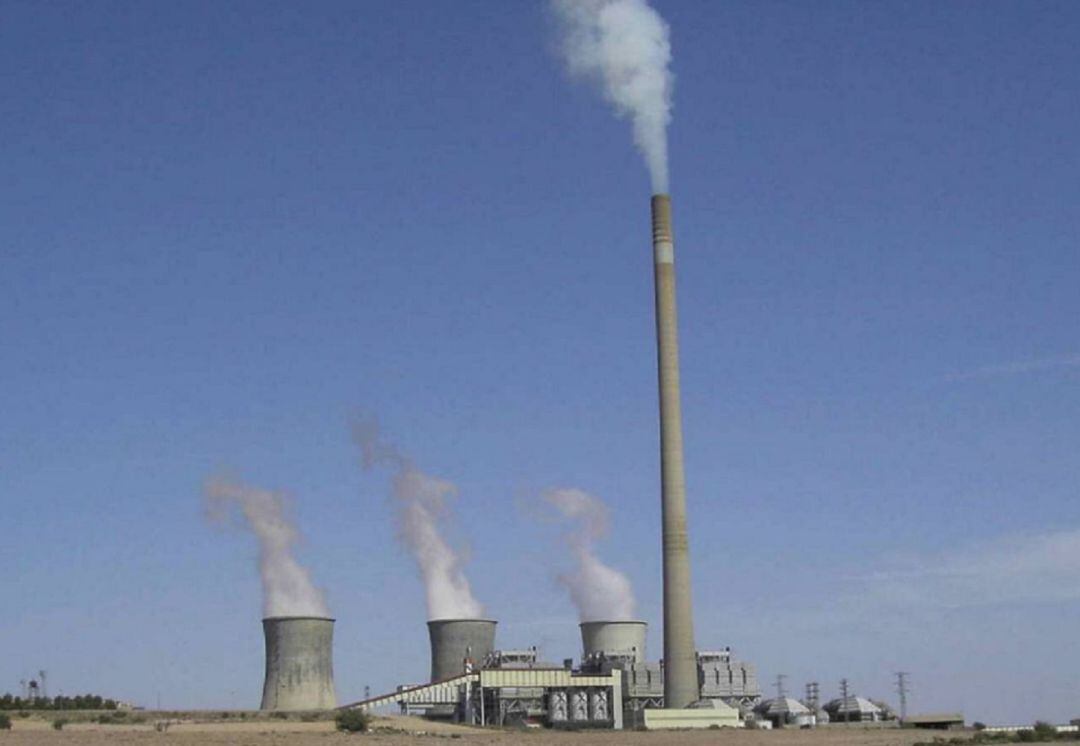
1040, 568
1011, 571
1018, 368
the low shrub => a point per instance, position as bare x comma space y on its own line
5, 722
1044, 731
113, 718
353, 721
59, 723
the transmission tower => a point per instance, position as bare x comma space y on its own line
844, 700
44, 689
813, 696
903, 690
780, 692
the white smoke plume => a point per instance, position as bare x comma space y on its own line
423, 505
287, 586
624, 47
600, 592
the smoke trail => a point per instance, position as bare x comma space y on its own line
423, 509
624, 47
287, 586
600, 592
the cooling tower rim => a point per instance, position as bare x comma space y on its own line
466, 619
613, 621
288, 617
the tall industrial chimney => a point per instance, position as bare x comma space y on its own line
455, 640
299, 665
680, 663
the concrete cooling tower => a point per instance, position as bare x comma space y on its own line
614, 640
455, 640
299, 665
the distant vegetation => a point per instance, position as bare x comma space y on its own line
1039, 733
119, 717
81, 702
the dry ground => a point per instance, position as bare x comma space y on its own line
402, 731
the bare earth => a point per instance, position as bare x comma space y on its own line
393, 731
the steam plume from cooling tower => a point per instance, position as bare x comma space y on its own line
624, 47
423, 512
599, 592
287, 586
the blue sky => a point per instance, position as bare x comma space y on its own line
226, 228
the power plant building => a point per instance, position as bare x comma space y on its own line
621, 645
513, 686
614, 684
729, 680
473, 681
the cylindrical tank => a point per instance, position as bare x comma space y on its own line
299, 663
579, 704
455, 640
598, 704
557, 706
614, 638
